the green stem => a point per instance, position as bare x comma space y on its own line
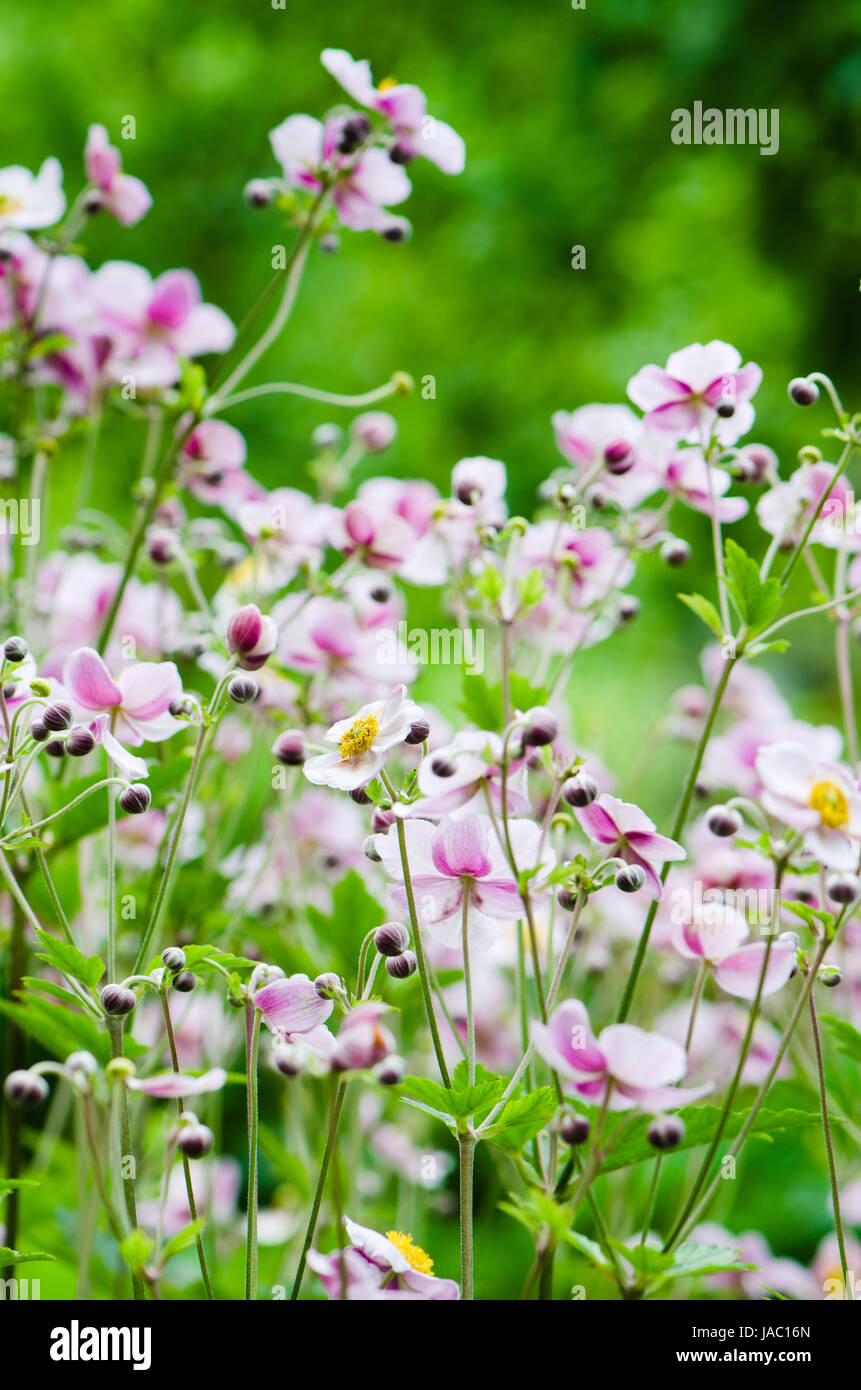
829, 1149
320, 1188
127, 1181
252, 1047
189, 1185
466, 1159
420, 956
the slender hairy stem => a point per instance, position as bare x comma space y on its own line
127, 1162
420, 956
466, 1163
189, 1185
335, 1116
829, 1148
252, 1047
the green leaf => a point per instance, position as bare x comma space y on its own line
691, 1258
755, 600
523, 694
200, 960
69, 960
811, 916
60, 1031
481, 703
848, 1039
521, 1119
14, 1257
704, 610
458, 1101
700, 1122
530, 591
490, 583
183, 1239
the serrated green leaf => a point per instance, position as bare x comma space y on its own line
17, 1257
848, 1039
700, 1122
69, 960
705, 611
521, 1119
183, 1239
755, 600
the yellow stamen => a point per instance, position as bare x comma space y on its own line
411, 1252
831, 803
9, 204
359, 736
387, 84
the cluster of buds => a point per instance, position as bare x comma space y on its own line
392, 941
55, 728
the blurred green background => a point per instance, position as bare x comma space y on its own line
566, 115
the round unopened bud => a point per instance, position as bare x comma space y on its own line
580, 790
566, 899
803, 391
38, 732
541, 727
120, 1068
258, 193
327, 437
391, 1071
574, 1129
631, 878
57, 717
15, 649
24, 1089
723, 821
374, 430
675, 552
842, 888
830, 976
289, 1059
381, 820
418, 732
80, 742
135, 799
252, 637
391, 939
162, 547
725, 408
370, 851
355, 129
402, 966
243, 689
360, 796
442, 767
397, 229
117, 1001
185, 982
328, 985
666, 1132
173, 958
619, 456
289, 748
83, 1062
56, 748
401, 154
629, 608
195, 1140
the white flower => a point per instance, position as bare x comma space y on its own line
816, 797
28, 201
362, 743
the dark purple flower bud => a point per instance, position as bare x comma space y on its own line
195, 1140
38, 731
575, 1129
566, 899
675, 552
135, 799
541, 727
723, 821
329, 985
629, 607
391, 939
117, 1001
56, 748
631, 878
80, 742
843, 888
666, 1132
173, 958
289, 1059
418, 732
398, 229
725, 409
442, 767
93, 202
24, 1089
161, 547
360, 796
289, 748
803, 391
83, 1062
370, 851
830, 976
381, 820
619, 456
15, 649
355, 129
183, 707
580, 790
755, 462
258, 193
243, 689
401, 154
391, 1071
402, 966
252, 637
185, 982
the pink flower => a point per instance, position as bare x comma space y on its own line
362, 743
715, 933
362, 1040
137, 702
366, 187
252, 637
125, 197
689, 478
684, 397
639, 1068
172, 1085
462, 858
405, 106
212, 461
374, 1267
818, 798
383, 541
296, 1013
471, 768
29, 201
597, 435
628, 834
786, 508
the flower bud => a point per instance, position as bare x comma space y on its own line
185, 982
541, 727
173, 958
354, 130
830, 976
566, 899
619, 456
56, 748
24, 1089
575, 1129
135, 799
195, 1140
360, 796
629, 608
580, 790
117, 1001
161, 547
442, 767
401, 154
289, 748
15, 649
38, 732
374, 430
329, 985
381, 820
842, 888
391, 939
120, 1068
723, 821
243, 689
83, 1062
289, 1058
666, 1132
258, 193
675, 552
370, 851
725, 409
402, 966
803, 391
391, 1071
396, 229
252, 637
418, 732
327, 437
80, 742
631, 878
57, 717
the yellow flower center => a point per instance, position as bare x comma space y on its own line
387, 84
830, 802
9, 204
411, 1252
359, 736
